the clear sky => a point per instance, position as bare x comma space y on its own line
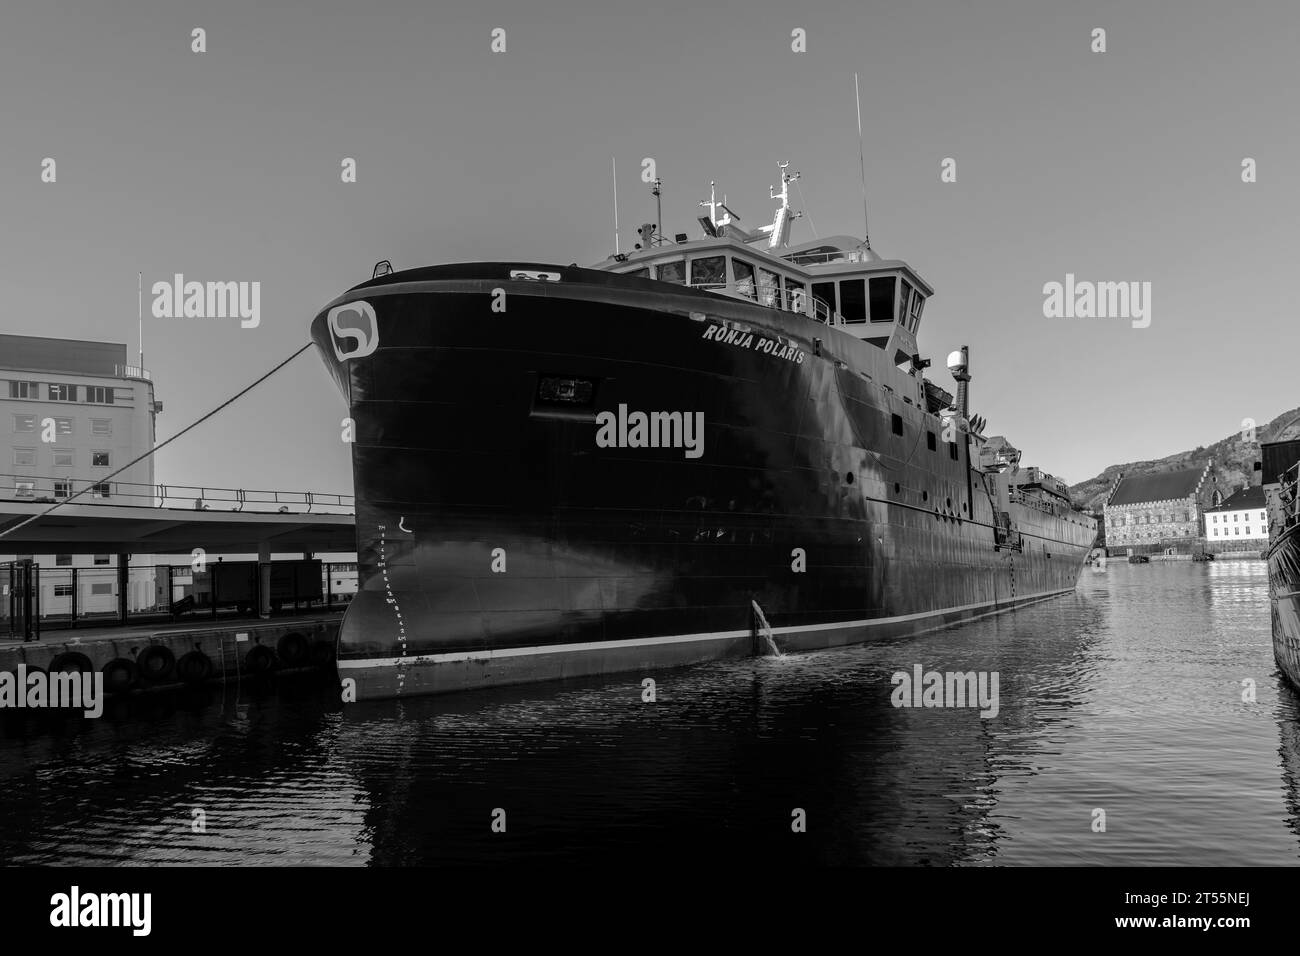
225, 165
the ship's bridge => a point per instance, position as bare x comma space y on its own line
838, 280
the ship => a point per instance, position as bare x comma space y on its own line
697, 449
1280, 467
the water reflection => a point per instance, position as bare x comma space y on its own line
1125, 696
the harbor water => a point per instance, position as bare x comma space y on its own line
1150, 693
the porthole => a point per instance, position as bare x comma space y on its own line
925, 496
898, 489
848, 476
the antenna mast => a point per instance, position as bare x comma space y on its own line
656, 188
613, 168
139, 314
862, 167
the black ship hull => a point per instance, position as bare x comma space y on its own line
507, 534
1284, 597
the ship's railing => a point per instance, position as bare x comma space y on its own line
785, 300
39, 489
1032, 501
821, 258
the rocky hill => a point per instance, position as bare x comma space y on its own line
1233, 461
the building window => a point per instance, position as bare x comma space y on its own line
896, 424
929, 441
24, 423
1236, 531
1262, 516
63, 560
1235, 517
1216, 519
63, 426
62, 393
63, 590
25, 489
744, 274
101, 426
1248, 529
63, 489
99, 459
105, 588
100, 490
24, 456
99, 394
24, 390
101, 560
64, 457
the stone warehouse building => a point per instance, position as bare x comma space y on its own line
1160, 513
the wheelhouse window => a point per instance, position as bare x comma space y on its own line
24, 456
918, 302
672, 271
99, 394
24, 489
904, 300
769, 288
101, 426
882, 299
744, 274
642, 273
23, 390
63, 393
24, 423
709, 272
64, 457
796, 296
824, 292
853, 300
62, 489
100, 489
99, 459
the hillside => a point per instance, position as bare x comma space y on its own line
1233, 461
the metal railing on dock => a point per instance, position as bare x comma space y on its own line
49, 490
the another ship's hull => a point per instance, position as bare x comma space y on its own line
499, 543
1284, 597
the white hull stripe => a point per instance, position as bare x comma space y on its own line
531, 651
